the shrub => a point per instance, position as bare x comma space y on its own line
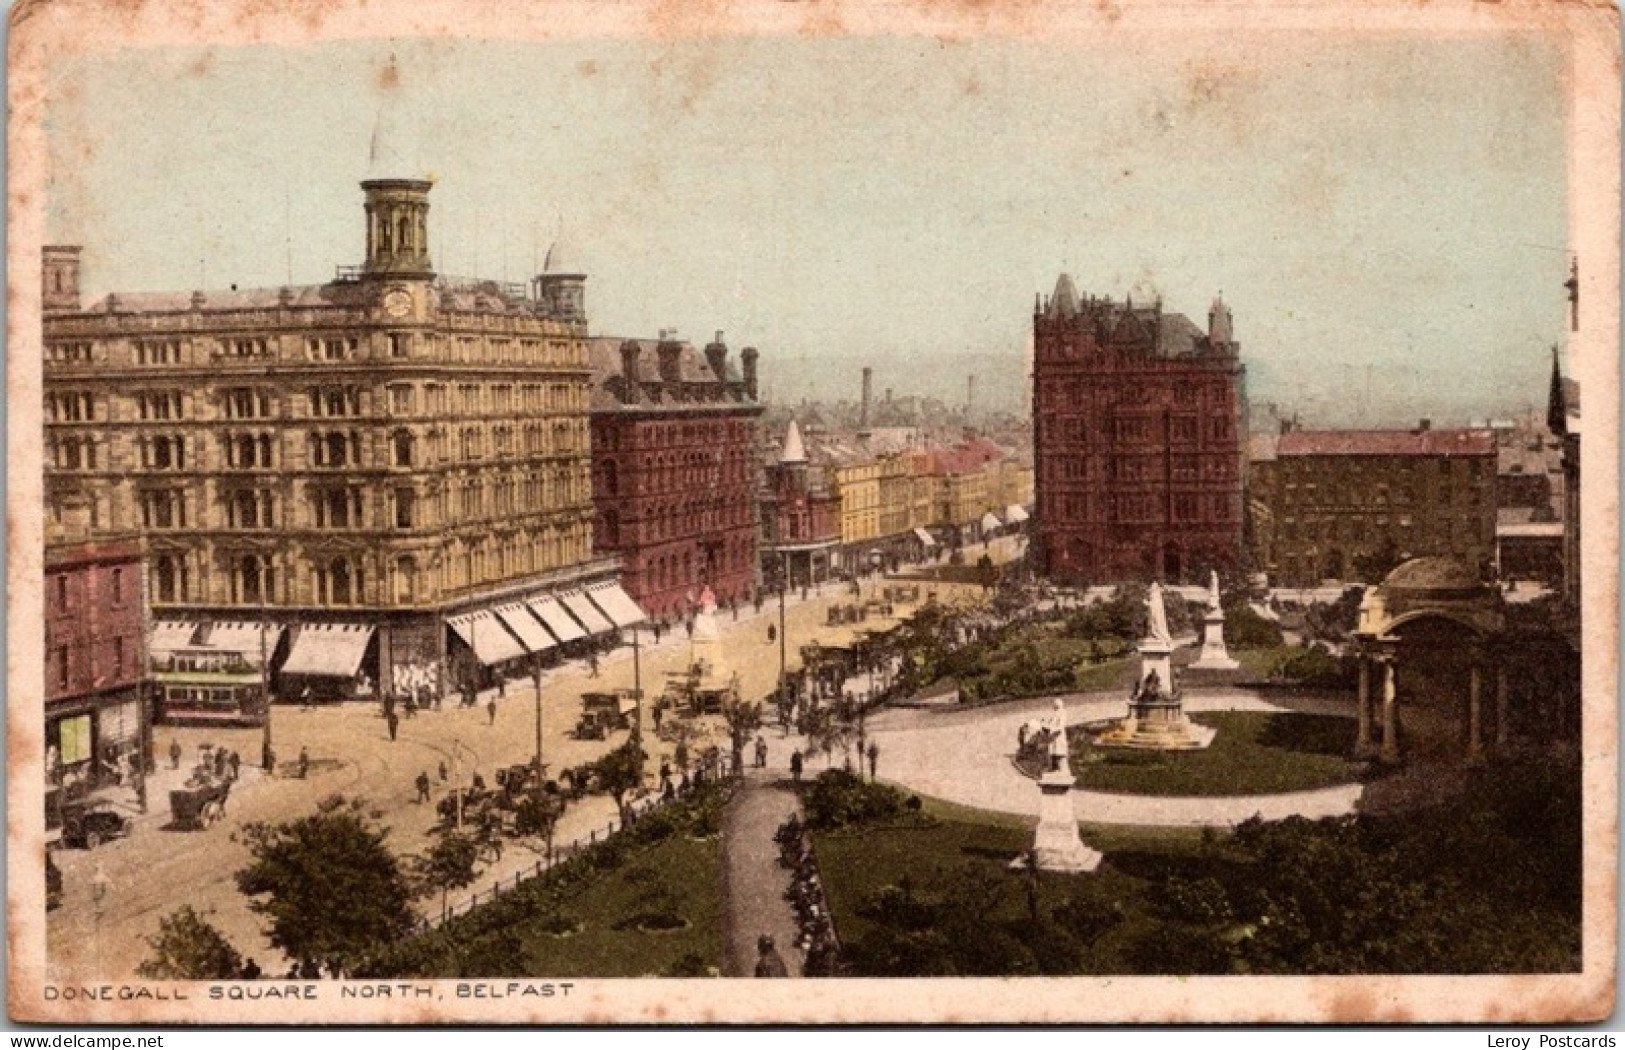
1245, 629
838, 798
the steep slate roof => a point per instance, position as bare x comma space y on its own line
1459, 442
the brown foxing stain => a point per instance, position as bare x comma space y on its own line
389, 77
587, 68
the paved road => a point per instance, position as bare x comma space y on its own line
753, 880
965, 757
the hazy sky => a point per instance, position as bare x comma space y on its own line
1386, 216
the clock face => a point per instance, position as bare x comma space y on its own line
397, 302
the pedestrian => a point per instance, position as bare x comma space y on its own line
442, 771
688, 625
772, 633
304, 699
304, 763
795, 766
267, 759
174, 753
665, 774
769, 963
658, 714
423, 786
761, 752
592, 664
1021, 737
874, 758
394, 721
236, 763
411, 705
491, 710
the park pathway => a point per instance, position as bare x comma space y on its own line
753, 883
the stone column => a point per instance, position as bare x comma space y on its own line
1503, 713
1362, 746
1475, 712
1390, 716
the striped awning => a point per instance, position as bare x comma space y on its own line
169, 635
484, 633
617, 605
328, 649
925, 537
558, 621
244, 638
594, 621
526, 626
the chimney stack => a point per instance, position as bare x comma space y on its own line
716, 355
630, 352
670, 352
747, 358
1424, 425
868, 386
970, 395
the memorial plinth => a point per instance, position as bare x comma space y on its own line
1057, 846
1214, 655
1156, 712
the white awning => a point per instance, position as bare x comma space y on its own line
990, 521
925, 537
244, 638
526, 626
329, 649
1014, 514
617, 605
169, 635
594, 621
484, 633
558, 621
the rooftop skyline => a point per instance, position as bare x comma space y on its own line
1390, 237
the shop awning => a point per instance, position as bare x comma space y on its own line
594, 621
1014, 514
990, 521
244, 638
484, 633
558, 621
617, 605
169, 635
527, 627
328, 649
925, 537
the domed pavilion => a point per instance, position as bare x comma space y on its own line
1428, 635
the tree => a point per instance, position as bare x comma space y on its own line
188, 948
539, 815
331, 888
448, 865
620, 772
744, 717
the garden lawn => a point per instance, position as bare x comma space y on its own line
1260, 663
1253, 754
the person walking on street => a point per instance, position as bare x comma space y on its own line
174, 753
423, 786
235, 763
491, 710
394, 721
304, 763
769, 963
874, 758
304, 699
442, 771
761, 752
772, 633
592, 664
795, 766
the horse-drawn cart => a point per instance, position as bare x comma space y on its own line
199, 804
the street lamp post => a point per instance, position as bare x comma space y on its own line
541, 774
99, 885
784, 660
267, 755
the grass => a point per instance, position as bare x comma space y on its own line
1253, 754
955, 847
1260, 662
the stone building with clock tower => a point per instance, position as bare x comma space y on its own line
391, 470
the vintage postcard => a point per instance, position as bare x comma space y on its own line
1040, 511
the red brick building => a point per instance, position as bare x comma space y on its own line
674, 468
1138, 424
800, 517
95, 659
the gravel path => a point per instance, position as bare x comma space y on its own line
753, 882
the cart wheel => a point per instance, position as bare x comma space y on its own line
92, 839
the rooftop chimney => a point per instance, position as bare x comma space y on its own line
630, 352
716, 355
1424, 425
61, 274
670, 352
747, 360
868, 386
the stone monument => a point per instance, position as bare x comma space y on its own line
1156, 710
1056, 844
1214, 657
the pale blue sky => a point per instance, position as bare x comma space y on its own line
1385, 215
